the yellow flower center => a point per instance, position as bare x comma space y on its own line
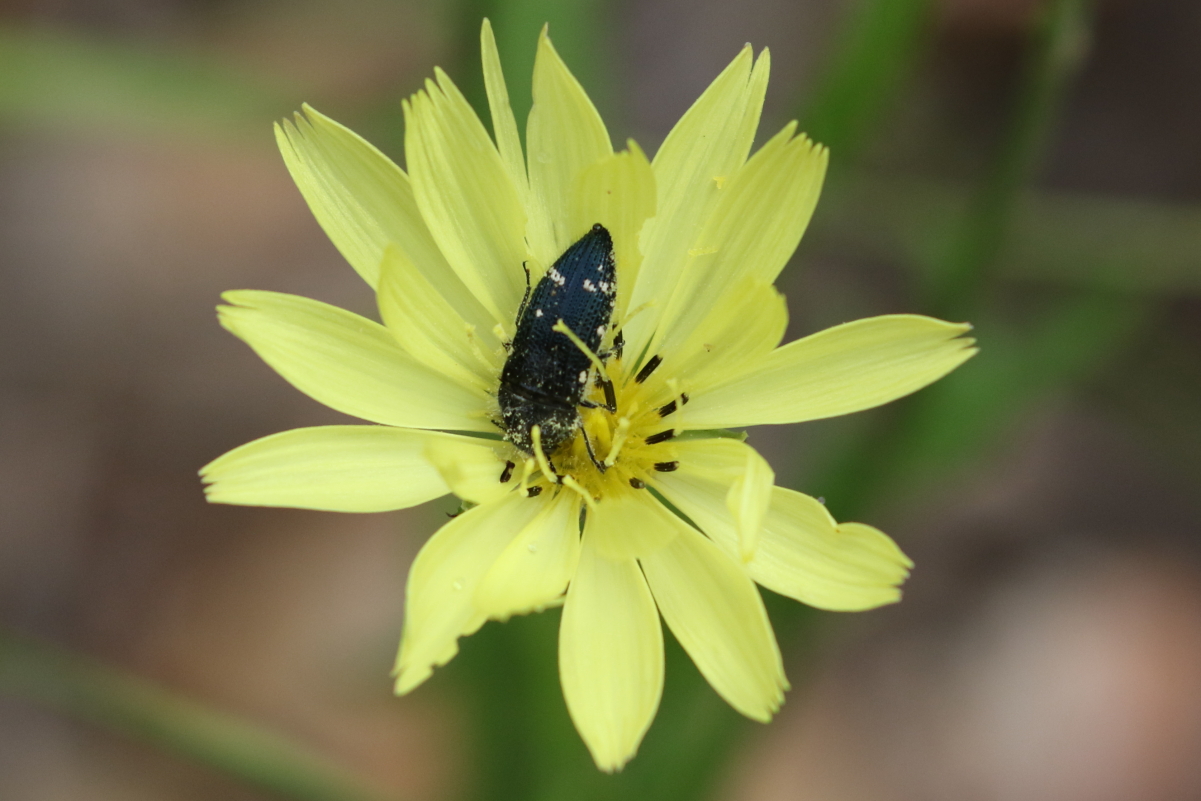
631, 443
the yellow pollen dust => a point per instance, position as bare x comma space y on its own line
618, 440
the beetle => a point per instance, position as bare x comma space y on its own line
546, 374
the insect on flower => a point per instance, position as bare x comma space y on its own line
614, 317
560, 327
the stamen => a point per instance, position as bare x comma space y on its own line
601, 466
507, 473
610, 394
648, 368
527, 470
684, 398
574, 486
562, 328
637, 483
667, 467
662, 436
619, 439
540, 455
667, 409
534, 492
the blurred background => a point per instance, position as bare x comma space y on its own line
1031, 166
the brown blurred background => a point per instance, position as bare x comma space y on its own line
1049, 646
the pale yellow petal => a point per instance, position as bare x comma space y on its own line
844, 369
743, 326
753, 230
349, 363
802, 552
533, 572
610, 655
504, 126
431, 329
439, 595
466, 196
565, 135
715, 611
701, 153
748, 500
471, 467
364, 201
844, 567
634, 525
619, 193
334, 468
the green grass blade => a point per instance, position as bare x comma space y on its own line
85, 689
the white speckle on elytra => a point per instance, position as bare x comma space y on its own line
537, 312
583, 376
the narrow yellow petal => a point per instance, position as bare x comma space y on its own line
466, 196
802, 552
533, 572
334, 468
439, 605
363, 201
844, 369
471, 468
619, 193
702, 152
610, 655
843, 567
743, 326
634, 525
716, 613
504, 126
431, 329
748, 500
754, 229
565, 135
349, 363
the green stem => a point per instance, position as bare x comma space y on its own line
1061, 239
83, 688
865, 473
879, 46
1060, 47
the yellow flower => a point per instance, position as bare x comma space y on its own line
699, 235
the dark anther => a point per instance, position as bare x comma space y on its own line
534, 492
667, 467
637, 483
601, 466
610, 395
667, 409
507, 473
648, 368
684, 397
619, 343
662, 436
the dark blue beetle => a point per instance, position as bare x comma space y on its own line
546, 376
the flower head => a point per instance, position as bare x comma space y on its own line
692, 349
